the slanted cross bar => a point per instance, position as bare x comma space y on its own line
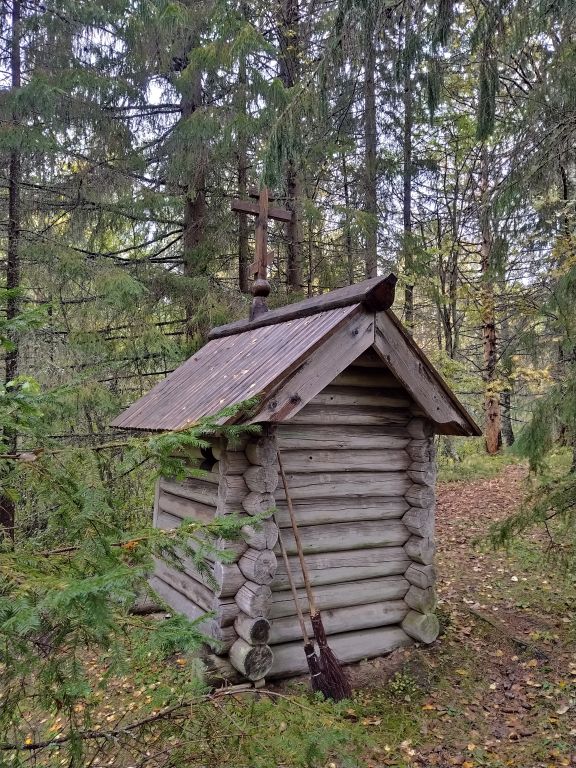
259, 269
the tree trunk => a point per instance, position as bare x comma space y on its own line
492, 416
194, 201
347, 227
370, 147
7, 507
506, 401
289, 69
243, 250
407, 175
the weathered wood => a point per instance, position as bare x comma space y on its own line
185, 509
217, 669
254, 599
262, 536
192, 488
253, 661
342, 595
423, 473
301, 437
420, 428
289, 658
261, 479
346, 619
421, 575
168, 522
357, 535
225, 578
232, 489
346, 484
258, 503
410, 366
420, 549
225, 610
423, 600
420, 495
360, 396
342, 567
370, 359
256, 631
345, 460
258, 566
353, 335
423, 627
421, 450
420, 521
356, 376
233, 463
220, 446
361, 415
262, 451
221, 638
366, 291
341, 510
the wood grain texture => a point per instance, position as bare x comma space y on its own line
289, 659
256, 631
185, 509
336, 437
194, 489
423, 600
342, 620
254, 599
342, 510
319, 369
345, 484
345, 566
421, 575
262, 451
258, 503
258, 566
420, 521
422, 496
370, 378
420, 379
421, 550
261, 479
361, 396
252, 661
261, 536
342, 595
424, 628
356, 535
323, 415
343, 460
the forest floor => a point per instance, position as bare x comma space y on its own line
496, 690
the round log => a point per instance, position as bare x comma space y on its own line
341, 510
262, 452
422, 472
258, 503
422, 627
420, 495
252, 661
358, 535
254, 599
421, 549
421, 450
255, 630
229, 578
261, 479
262, 536
421, 575
420, 521
295, 437
346, 460
419, 428
423, 600
258, 565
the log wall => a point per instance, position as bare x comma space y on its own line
360, 465
361, 469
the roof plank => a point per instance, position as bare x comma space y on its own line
410, 365
375, 295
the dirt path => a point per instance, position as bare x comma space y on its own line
503, 689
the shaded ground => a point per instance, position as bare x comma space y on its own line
502, 695
498, 688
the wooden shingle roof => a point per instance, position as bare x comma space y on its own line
287, 356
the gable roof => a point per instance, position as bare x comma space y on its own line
287, 356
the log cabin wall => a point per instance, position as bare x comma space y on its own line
360, 466
241, 481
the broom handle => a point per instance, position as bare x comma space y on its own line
303, 566
292, 587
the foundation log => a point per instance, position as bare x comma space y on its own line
422, 627
253, 661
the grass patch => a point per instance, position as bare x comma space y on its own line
474, 466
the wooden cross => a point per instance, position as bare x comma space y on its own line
259, 269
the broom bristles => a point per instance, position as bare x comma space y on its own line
334, 683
